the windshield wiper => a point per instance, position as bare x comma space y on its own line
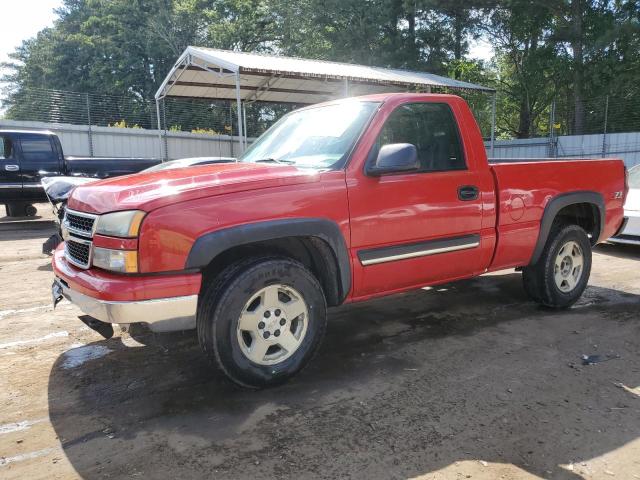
274, 160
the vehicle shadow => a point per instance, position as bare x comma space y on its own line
625, 251
402, 386
28, 230
6, 218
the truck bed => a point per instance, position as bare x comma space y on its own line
525, 186
532, 160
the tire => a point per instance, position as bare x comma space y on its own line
561, 274
240, 297
14, 209
30, 211
20, 210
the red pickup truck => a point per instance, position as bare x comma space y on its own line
338, 202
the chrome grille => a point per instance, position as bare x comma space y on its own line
78, 252
77, 230
80, 223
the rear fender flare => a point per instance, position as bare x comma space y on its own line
210, 245
558, 203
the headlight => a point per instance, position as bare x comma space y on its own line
120, 224
125, 261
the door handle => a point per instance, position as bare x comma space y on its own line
468, 192
11, 168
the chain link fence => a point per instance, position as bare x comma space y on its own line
564, 128
176, 115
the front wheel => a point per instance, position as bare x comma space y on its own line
262, 320
560, 275
20, 210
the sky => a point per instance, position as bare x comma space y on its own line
22, 19
480, 49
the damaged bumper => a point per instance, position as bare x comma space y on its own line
124, 300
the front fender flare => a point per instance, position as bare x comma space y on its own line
210, 245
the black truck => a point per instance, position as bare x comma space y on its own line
28, 156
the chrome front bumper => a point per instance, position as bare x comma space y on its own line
161, 315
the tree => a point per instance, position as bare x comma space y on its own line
526, 65
567, 50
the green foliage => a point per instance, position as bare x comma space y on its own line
124, 124
205, 131
569, 51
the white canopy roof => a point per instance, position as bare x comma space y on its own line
207, 73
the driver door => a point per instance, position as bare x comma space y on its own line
410, 229
10, 175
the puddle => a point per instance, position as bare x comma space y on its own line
83, 353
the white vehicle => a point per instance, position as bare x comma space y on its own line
630, 232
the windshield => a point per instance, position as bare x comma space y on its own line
634, 177
317, 137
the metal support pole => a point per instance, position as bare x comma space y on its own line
164, 120
162, 154
244, 123
493, 123
346, 87
231, 132
552, 153
604, 132
90, 133
239, 106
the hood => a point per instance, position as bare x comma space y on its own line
149, 191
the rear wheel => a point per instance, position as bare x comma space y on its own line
560, 275
262, 320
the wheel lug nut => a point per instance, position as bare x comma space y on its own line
282, 321
266, 335
277, 312
277, 333
261, 325
267, 314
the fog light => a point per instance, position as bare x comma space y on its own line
125, 261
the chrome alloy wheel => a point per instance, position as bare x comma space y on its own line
273, 324
568, 266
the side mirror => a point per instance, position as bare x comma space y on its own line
395, 158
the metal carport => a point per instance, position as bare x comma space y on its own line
207, 73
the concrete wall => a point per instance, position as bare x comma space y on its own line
618, 145
128, 142
79, 140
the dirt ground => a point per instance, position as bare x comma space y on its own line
467, 380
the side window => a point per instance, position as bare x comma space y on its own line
36, 149
432, 128
6, 148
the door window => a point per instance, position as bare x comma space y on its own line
6, 148
432, 129
36, 149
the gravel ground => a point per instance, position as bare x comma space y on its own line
466, 380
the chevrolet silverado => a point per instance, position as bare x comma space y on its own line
338, 202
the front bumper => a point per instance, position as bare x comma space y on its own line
126, 299
630, 233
